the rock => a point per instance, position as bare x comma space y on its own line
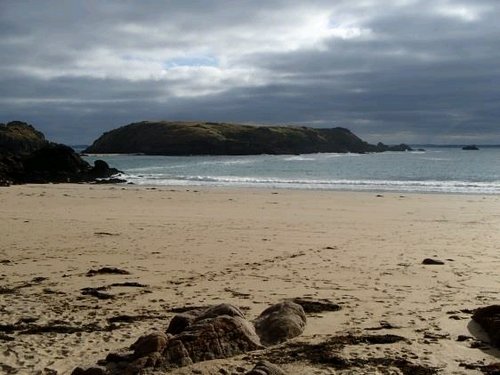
265, 368
219, 310
203, 334
208, 138
430, 261
154, 342
313, 305
97, 292
114, 180
470, 148
101, 169
21, 138
94, 370
181, 321
55, 163
211, 338
280, 322
107, 271
489, 320
27, 157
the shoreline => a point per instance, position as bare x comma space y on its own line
252, 247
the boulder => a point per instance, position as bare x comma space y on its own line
265, 368
202, 334
152, 343
280, 322
55, 163
219, 337
489, 320
181, 321
101, 169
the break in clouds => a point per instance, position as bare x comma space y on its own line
416, 71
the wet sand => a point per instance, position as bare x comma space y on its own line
201, 246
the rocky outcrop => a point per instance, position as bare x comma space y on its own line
280, 322
20, 138
219, 331
489, 320
203, 334
208, 138
27, 157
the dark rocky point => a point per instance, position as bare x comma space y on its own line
27, 157
209, 138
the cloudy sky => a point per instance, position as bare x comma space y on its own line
416, 71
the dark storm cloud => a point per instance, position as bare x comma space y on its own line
402, 70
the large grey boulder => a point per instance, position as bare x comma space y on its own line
280, 322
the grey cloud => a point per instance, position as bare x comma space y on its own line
424, 71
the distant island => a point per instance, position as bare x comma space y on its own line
211, 138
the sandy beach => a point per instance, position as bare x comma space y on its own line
185, 246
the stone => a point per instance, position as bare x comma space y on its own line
266, 368
430, 261
154, 342
106, 270
219, 310
489, 320
181, 321
315, 305
280, 322
211, 338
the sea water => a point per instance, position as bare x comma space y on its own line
444, 170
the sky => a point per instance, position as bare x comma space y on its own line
413, 71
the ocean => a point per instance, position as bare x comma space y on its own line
436, 170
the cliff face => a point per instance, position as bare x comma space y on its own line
27, 157
21, 138
207, 138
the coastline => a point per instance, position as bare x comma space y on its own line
252, 247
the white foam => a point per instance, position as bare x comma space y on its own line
363, 185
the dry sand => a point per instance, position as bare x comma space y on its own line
252, 248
